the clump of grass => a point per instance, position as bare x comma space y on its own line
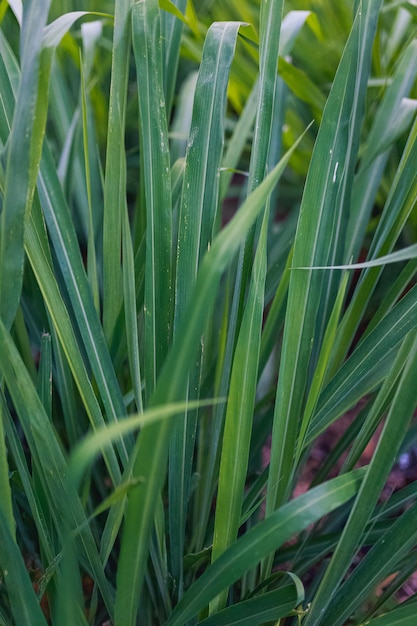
150, 348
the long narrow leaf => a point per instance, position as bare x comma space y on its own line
239, 415
402, 409
23, 157
260, 541
24, 604
152, 446
115, 175
147, 46
198, 207
327, 183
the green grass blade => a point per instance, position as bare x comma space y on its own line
239, 415
147, 47
379, 563
394, 257
322, 365
396, 424
23, 601
403, 615
18, 454
6, 507
238, 140
367, 366
129, 294
115, 173
269, 36
197, 213
378, 410
23, 157
276, 315
44, 386
318, 224
270, 606
39, 258
359, 51
64, 241
387, 127
262, 540
69, 255
152, 446
230, 161
91, 248
48, 456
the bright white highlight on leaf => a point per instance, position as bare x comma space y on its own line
335, 171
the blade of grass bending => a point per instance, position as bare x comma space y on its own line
263, 540
151, 449
47, 453
198, 207
23, 157
395, 427
239, 415
402, 615
270, 606
147, 46
269, 36
317, 225
23, 601
394, 257
115, 173
85, 452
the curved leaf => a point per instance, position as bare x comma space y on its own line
262, 541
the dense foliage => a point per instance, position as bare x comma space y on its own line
207, 257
